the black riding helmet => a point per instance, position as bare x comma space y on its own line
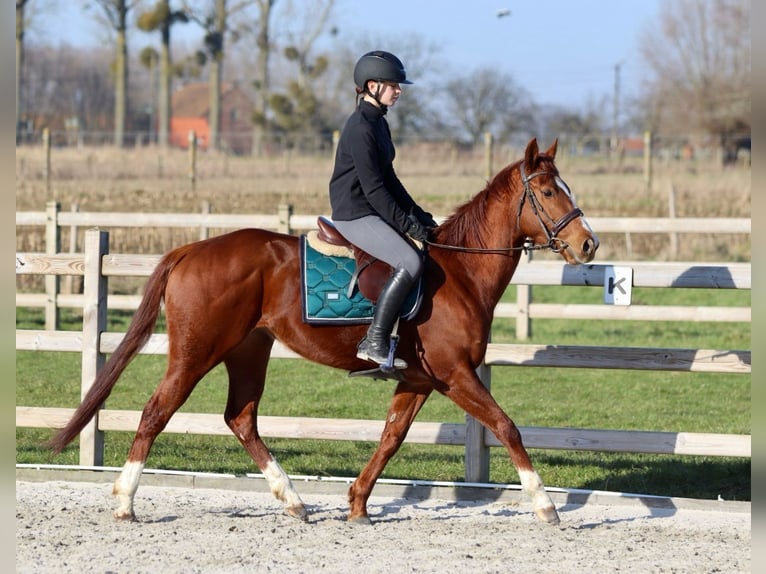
381, 66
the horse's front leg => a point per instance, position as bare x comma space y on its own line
405, 406
468, 392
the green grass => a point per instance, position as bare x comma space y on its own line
583, 398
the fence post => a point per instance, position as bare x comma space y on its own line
68, 284
93, 324
52, 282
648, 159
476, 449
672, 214
47, 148
193, 159
523, 299
204, 230
488, 153
284, 212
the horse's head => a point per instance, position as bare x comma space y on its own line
547, 212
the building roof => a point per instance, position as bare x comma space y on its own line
193, 100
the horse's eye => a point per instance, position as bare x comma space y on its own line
548, 192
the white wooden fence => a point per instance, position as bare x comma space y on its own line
97, 265
523, 310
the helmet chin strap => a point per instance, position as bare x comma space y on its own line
376, 96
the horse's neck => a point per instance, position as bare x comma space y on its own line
487, 274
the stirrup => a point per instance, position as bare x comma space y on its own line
392, 362
389, 363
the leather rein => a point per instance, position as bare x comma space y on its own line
554, 243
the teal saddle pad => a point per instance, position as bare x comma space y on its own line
327, 296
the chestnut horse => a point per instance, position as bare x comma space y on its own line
229, 297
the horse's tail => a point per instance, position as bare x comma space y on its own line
138, 334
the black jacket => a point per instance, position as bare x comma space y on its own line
363, 181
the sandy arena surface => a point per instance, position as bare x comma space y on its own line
64, 527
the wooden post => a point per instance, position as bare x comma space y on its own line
204, 230
68, 284
672, 213
52, 282
488, 154
648, 159
47, 148
476, 449
523, 299
93, 324
284, 212
193, 159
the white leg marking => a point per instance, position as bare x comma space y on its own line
533, 486
281, 486
125, 488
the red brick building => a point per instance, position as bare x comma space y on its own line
190, 110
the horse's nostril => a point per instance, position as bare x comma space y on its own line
590, 245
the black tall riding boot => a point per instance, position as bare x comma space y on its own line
375, 346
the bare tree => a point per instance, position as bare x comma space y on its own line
299, 106
20, 28
486, 100
66, 82
307, 27
161, 18
262, 81
698, 56
216, 20
115, 14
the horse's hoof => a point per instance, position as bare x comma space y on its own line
298, 511
363, 520
548, 514
125, 515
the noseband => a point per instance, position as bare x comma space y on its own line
554, 243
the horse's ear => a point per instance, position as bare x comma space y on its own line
530, 156
552, 150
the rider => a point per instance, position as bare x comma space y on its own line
370, 206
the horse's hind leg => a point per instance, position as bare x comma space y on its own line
172, 392
246, 366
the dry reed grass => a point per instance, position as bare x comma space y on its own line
439, 176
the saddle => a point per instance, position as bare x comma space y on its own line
371, 274
341, 283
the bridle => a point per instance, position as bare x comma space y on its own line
554, 243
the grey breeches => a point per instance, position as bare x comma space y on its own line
383, 242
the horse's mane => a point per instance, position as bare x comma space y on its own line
465, 227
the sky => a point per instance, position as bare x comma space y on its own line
563, 52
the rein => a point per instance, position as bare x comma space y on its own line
555, 244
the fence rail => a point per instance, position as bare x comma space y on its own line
524, 310
96, 264
287, 222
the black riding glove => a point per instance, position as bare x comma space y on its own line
416, 230
428, 221
425, 218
